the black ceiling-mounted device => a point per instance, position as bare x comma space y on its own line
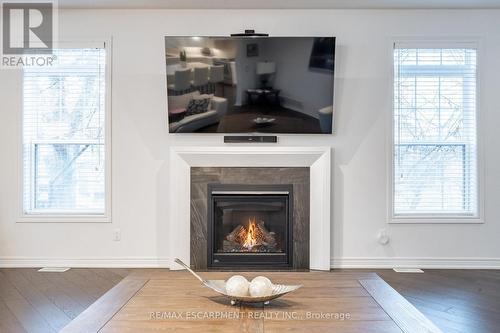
250, 33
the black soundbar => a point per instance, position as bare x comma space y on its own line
250, 138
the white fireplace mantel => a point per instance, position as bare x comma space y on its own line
318, 159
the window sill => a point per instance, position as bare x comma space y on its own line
45, 218
436, 220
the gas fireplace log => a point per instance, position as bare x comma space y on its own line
233, 235
262, 239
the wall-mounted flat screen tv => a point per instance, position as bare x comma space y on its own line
275, 85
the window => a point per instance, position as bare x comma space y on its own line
64, 134
434, 132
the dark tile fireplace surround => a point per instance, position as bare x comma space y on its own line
249, 218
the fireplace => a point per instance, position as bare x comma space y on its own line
249, 226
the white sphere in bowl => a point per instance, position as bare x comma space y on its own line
237, 285
260, 286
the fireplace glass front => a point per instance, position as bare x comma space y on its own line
249, 226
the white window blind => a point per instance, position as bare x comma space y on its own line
435, 145
64, 134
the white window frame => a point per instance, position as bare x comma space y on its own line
425, 42
77, 217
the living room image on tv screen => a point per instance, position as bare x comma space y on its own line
250, 85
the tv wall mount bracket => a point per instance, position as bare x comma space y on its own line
250, 33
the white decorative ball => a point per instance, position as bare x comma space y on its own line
261, 286
237, 285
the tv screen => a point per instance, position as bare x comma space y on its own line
250, 85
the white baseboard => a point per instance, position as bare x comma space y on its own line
133, 262
348, 262
412, 262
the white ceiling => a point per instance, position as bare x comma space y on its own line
278, 4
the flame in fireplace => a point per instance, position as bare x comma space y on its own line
250, 240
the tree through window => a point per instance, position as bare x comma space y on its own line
64, 134
435, 148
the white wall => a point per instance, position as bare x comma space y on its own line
363, 101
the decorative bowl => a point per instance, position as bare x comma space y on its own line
219, 286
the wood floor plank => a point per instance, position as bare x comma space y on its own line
458, 289
439, 294
54, 297
93, 291
406, 316
101, 284
56, 318
326, 327
71, 289
107, 274
448, 322
43, 282
8, 322
24, 312
95, 317
123, 272
134, 326
95, 275
250, 323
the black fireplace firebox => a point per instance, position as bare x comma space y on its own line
250, 226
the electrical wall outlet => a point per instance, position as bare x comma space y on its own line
383, 237
117, 235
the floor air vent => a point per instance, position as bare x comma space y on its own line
407, 270
54, 269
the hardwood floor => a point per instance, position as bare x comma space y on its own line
457, 301
327, 302
31, 301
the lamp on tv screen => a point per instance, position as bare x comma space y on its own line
275, 85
